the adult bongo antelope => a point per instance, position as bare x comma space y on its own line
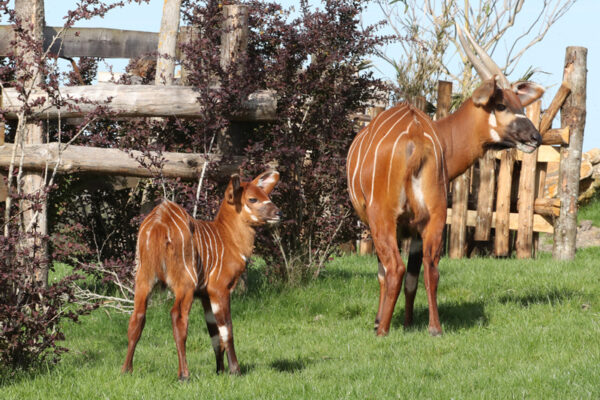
399, 167
200, 258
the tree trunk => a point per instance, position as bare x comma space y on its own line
33, 224
573, 114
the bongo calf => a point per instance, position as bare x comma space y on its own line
200, 258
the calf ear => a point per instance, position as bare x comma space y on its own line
267, 180
528, 92
484, 93
234, 191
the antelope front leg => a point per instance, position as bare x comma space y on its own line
220, 329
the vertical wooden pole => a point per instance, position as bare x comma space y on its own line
234, 44
2, 124
31, 13
167, 42
527, 191
572, 115
501, 242
165, 74
485, 196
234, 39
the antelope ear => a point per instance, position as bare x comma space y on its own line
267, 180
484, 93
234, 191
528, 92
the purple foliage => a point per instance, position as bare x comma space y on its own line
313, 62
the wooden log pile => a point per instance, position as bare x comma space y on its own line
589, 177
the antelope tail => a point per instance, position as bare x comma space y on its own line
415, 158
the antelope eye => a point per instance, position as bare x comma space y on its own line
500, 107
252, 200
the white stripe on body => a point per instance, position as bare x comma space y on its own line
377, 149
351, 153
220, 260
194, 279
398, 110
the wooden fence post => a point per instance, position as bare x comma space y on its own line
573, 115
234, 44
1, 122
527, 191
485, 196
167, 42
31, 13
165, 73
502, 233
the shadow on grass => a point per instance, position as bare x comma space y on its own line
452, 316
551, 296
290, 366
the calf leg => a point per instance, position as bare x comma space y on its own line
136, 322
219, 305
213, 332
179, 317
415, 259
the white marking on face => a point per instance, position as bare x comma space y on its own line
243, 257
494, 135
215, 308
520, 116
253, 218
266, 202
410, 282
418, 190
247, 209
224, 333
492, 120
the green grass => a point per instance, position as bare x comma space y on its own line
513, 329
590, 211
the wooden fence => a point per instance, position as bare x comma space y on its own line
502, 203
484, 198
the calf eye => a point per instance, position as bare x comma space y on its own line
252, 200
500, 107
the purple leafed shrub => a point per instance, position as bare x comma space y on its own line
313, 59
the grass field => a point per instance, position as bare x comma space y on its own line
513, 329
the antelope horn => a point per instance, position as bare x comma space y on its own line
481, 69
488, 62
